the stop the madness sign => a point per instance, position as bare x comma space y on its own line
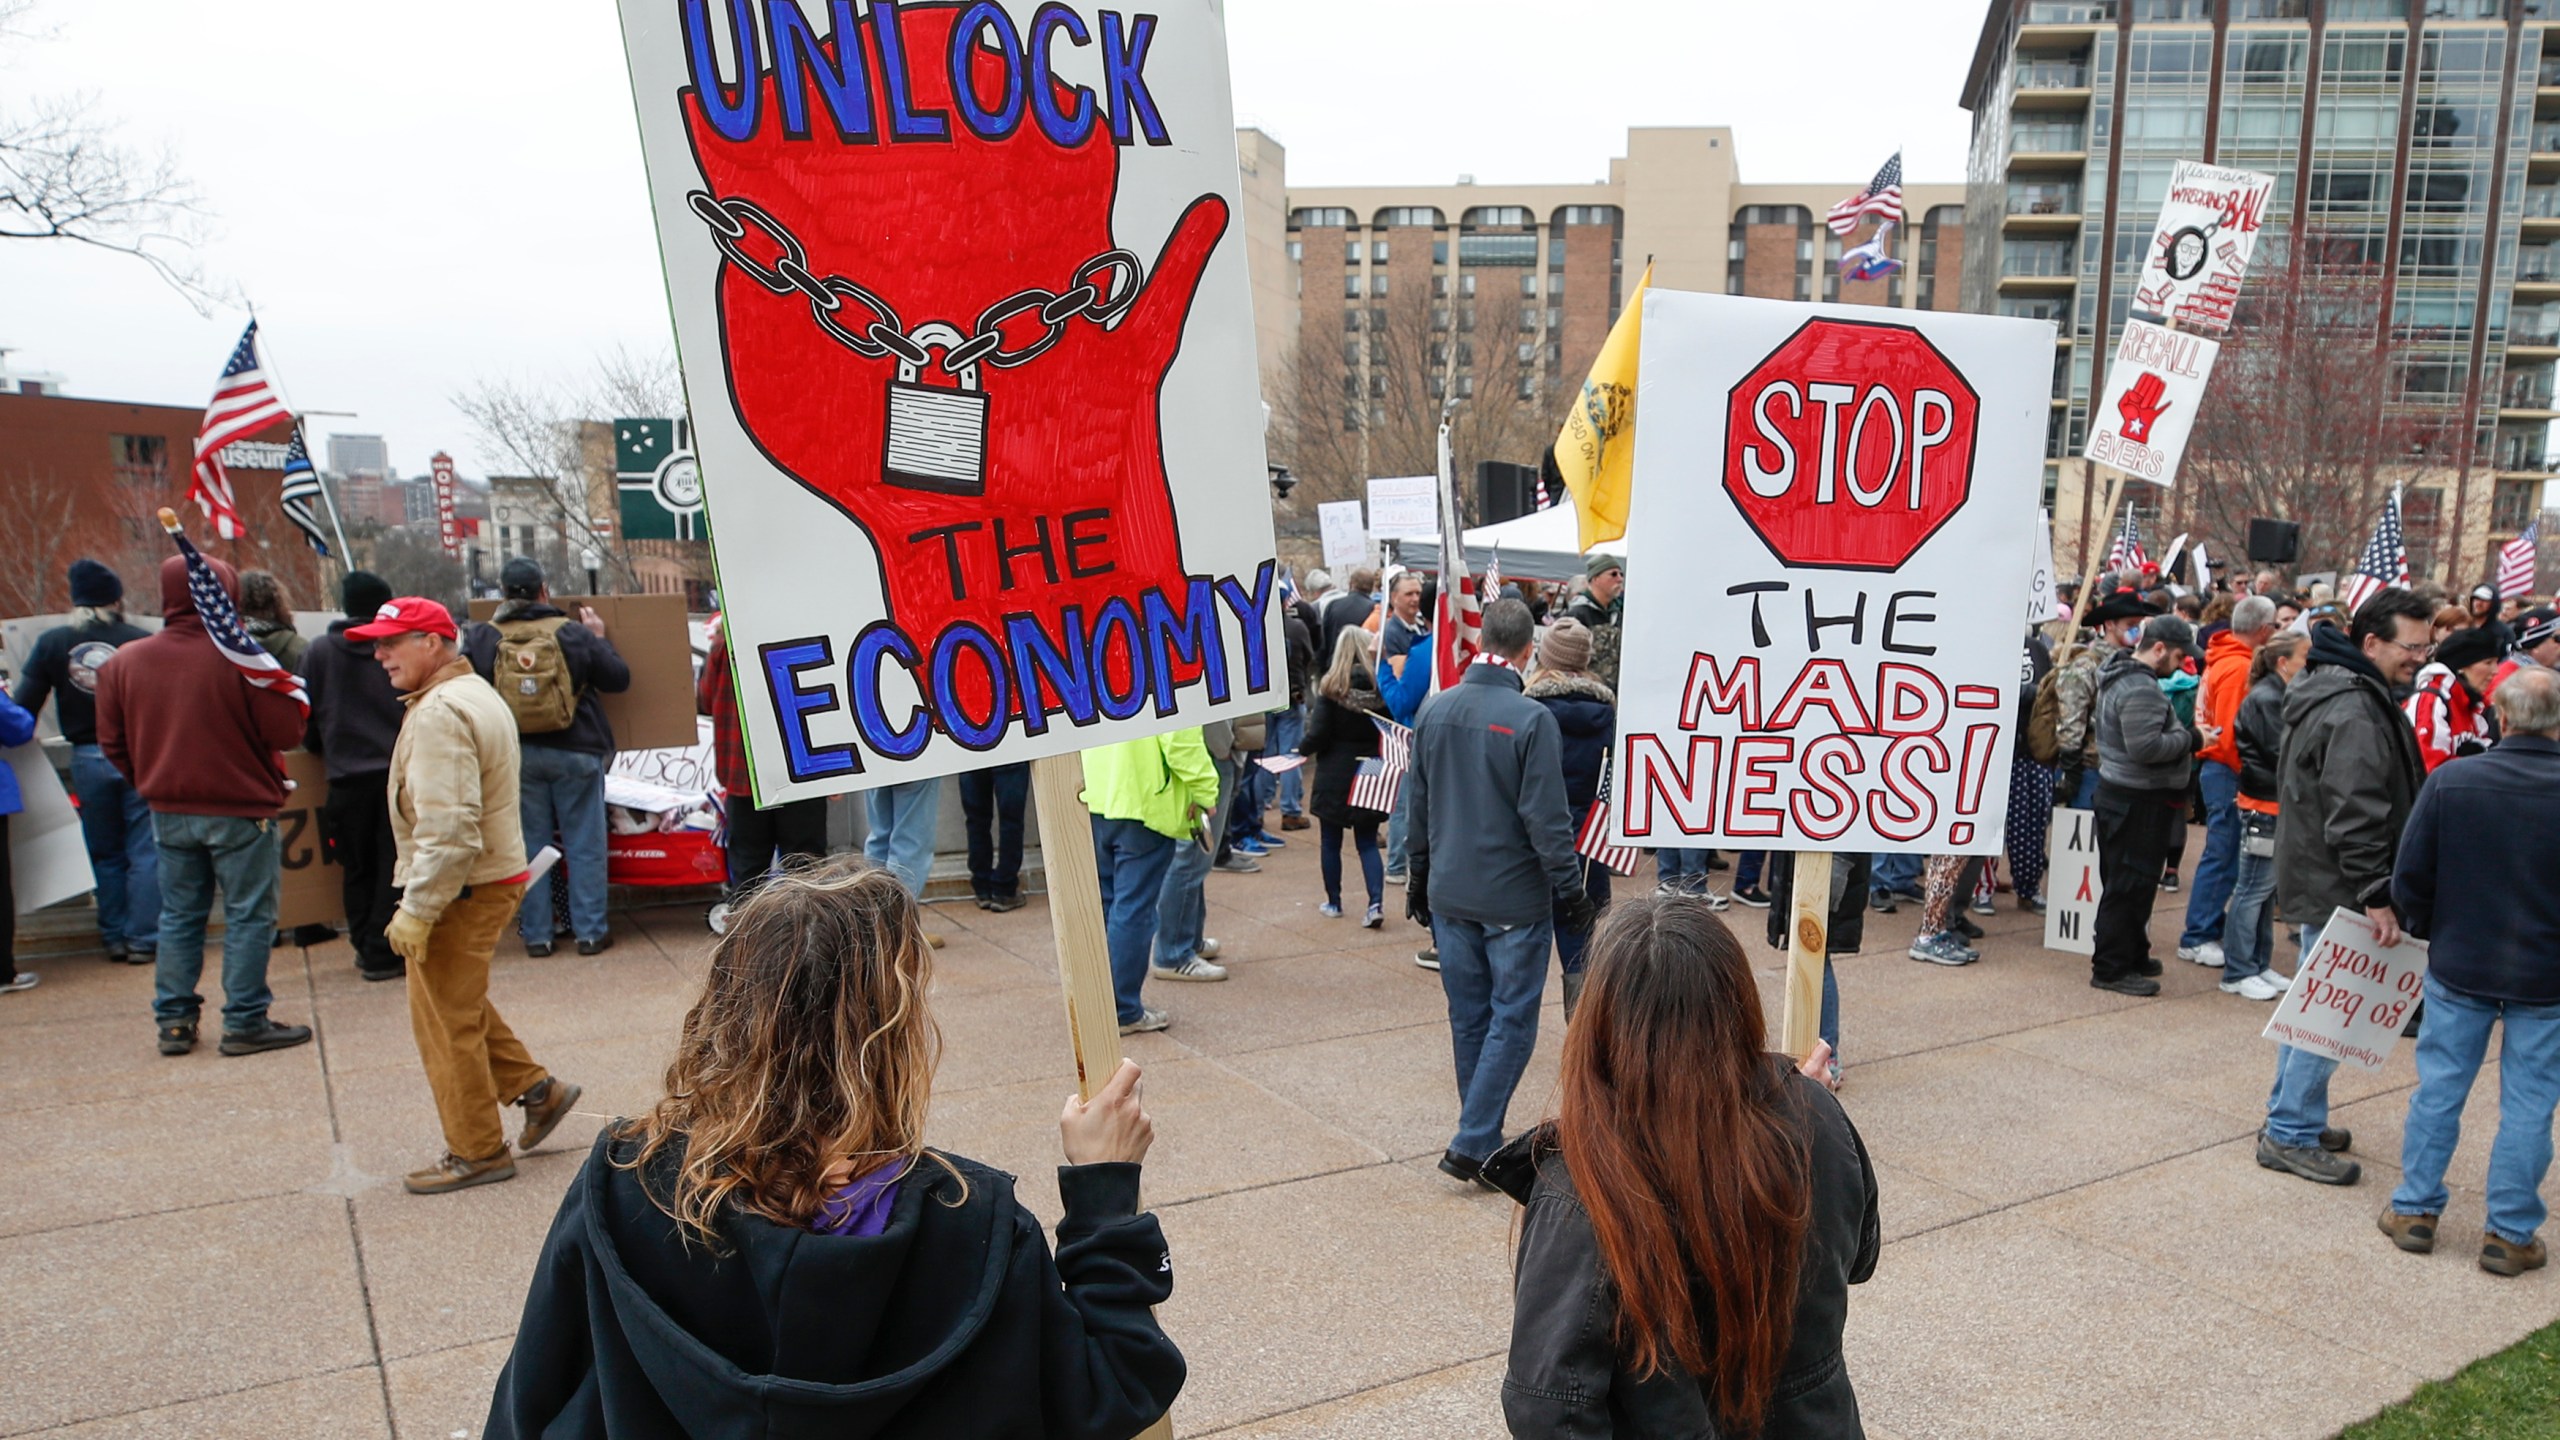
1832, 530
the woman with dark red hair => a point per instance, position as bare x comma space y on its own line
1696, 1212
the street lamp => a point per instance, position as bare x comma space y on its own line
1282, 482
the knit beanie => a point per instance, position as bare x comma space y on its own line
1565, 646
362, 593
94, 586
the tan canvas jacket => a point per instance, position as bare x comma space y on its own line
454, 792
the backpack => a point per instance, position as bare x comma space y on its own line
1604, 654
2044, 720
533, 675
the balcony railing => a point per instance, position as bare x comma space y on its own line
2070, 12
2057, 259
2526, 397
2542, 202
2053, 75
2532, 462
2537, 267
2549, 74
2546, 138
2045, 200
2046, 139
2525, 328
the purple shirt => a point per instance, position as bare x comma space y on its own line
862, 1207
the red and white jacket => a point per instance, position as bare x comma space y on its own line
2450, 720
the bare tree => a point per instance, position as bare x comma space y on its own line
64, 177
36, 538
533, 428
413, 562
2307, 417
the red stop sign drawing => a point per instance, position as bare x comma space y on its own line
1850, 445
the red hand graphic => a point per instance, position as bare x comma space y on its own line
2140, 407
939, 231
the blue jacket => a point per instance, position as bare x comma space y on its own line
1405, 693
1486, 818
2473, 875
17, 727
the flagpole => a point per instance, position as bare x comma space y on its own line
346, 557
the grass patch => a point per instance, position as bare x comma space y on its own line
2515, 1392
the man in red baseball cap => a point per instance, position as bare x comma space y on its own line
462, 868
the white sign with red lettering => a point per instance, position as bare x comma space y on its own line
2351, 995
2141, 421
2200, 250
2071, 884
1823, 494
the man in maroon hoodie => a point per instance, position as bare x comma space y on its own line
204, 747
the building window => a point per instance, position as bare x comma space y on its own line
1351, 352
140, 460
1528, 317
1497, 250
1378, 252
1297, 250
1407, 215
1439, 252
1377, 284
1528, 387
1351, 287
1439, 287
1320, 217
1529, 284
1351, 252
1496, 215
2518, 502
1466, 284
1466, 386
1350, 321
1587, 215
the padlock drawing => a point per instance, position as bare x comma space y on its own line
936, 439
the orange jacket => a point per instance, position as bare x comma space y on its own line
2226, 683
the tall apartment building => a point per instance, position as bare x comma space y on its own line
2421, 138
1374, 303
359, 455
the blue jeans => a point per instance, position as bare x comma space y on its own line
2298, 1106
1182, 907
1682, 869
1493, 976
1746, 870
2450, 1047
2248, 930
1288, 731
1830, 1025
1573, 945
2086, 797
1364, 841
1130, 860
1896, 875
900, 821
1396, 856
116, 823
2216, 867
563, 792
198, 852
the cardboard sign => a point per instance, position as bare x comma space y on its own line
2142, 419
1830, 681
653, 637
2351, 996
1406, 507
2044, 598
1345, 543
48, 858
965, 317
2071, 885
2200, 250
312, 890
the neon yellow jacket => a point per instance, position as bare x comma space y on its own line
1159, 781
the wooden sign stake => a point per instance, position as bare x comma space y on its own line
1084, 948
1808, 950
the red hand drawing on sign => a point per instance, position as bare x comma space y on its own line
2141, 405
936, 331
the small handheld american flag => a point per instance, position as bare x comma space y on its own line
1594, 842
2128, 553
1882, 199
1374, 785
222, 622
2385, 561
2517, 561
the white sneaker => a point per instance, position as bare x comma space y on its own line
1208, 950
2253, 987
720, 918
2208, 953
1193, 968
26, 980
2277, 978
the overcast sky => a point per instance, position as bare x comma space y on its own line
417, 196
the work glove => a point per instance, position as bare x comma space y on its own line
2066, 785
407, 935
1575, 912
1417, 895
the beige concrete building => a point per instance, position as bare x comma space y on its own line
1374, 303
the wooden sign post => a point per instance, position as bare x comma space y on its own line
1808, 950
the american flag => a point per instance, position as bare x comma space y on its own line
1459, 614
1491, 590
301, 487
2128, 553
1595, 843
1882, 199
2517, 561
244, 403
1374, 784
222, 622
2385, 562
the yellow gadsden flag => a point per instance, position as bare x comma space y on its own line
1596, 453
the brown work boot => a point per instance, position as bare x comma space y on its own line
2506, 1257
2413, 1233
455, 1173
545, 1106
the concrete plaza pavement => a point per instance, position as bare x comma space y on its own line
2078, 1242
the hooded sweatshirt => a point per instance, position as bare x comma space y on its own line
952, 1321
182, 724
2142, 745
2226, 684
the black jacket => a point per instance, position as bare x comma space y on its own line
1486, 819
1849, 873
2259, 732
1342, 610
1566, 1377
1586, 714
954, 1321
595, 668
2347, 776
1338, 738
2473, 879
355, 714
64, 666
1302, 654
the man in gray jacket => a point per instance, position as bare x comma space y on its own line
2145, 754
1491, 827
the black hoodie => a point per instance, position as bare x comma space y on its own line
951, 1322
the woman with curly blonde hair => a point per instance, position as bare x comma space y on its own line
773, 1248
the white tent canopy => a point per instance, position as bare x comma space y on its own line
1541, 545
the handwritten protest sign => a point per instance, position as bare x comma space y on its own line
1405, 507
1346, 544
2209, 224
2352, 995
2142, 419
1833, 683
2071, 885
960, 298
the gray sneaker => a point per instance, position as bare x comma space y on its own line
2310, 1162
1943, 949
1147, 1020
1239, 863
1192, 967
